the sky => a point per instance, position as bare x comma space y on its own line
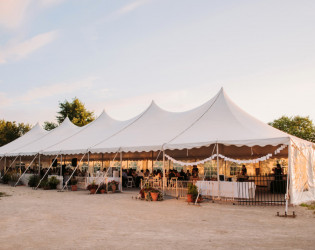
119, 55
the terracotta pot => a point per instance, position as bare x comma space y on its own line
74, 187
113, 188
146, 194
92, 191
102, 191
189, 198
154, 196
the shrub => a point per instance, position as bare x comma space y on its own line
33, 181
193, 190
53, 182
6, 178
45, 184
74, 181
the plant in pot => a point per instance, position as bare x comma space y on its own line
53, 182
192, 192
113, 184
74, 183
92, 187
144, 192
6, 178
45, 185
33, 180
14, 178
102, 188
154, 194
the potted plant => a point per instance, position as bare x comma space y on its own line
92, 187
45, 185
102, 188
192, 192
113, 184
13, 179
53, 182
6, 178
33, 180
74, 183
154, 194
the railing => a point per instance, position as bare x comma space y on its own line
270, 190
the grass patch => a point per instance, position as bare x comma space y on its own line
3, 194
309, 206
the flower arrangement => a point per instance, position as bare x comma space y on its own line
151, 194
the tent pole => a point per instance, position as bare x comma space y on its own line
20, 166
288, 177
163, 182
66, 183
47, 171
60, 172
9, 167
88, 162
5, 164
39, 164
218, 171
120, 171
102, 161
25, 170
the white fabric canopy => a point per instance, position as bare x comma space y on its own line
64, 130
33, 135
100, 129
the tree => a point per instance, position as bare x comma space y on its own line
298, 126
50, 125
75, 111
9, 131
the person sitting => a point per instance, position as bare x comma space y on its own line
124, 178
182, 175
147, 173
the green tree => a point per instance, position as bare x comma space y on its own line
9, 131
50, 125
298, 126
75, 111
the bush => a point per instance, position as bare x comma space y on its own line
6, 178
53, 182
74, 181
45, 184
33, 181
193, 190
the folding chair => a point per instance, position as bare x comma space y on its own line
130, 182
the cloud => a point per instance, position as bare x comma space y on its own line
44, 92
128, 8
18, 50
14, 12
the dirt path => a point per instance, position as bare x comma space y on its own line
40, 219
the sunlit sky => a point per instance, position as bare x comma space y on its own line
119, 55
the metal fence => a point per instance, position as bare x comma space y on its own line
269, 190
252, 190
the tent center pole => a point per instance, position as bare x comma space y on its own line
163, 182
218, 171
60, 165
288, 177
120, 171
39, 164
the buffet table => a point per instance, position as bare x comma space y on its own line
245, 190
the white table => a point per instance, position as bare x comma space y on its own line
228, 189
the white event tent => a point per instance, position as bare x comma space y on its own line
218, 124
